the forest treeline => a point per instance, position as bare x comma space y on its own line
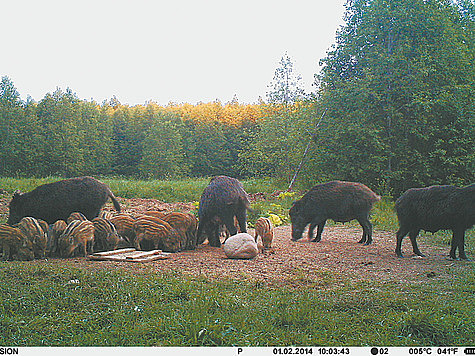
393, 109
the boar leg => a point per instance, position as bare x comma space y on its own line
138, 240
458, 240
412, 235
89, 246
229, 222
367, 237
399, 236
212, 231
321, 225
199, 233
241, 218
6, 252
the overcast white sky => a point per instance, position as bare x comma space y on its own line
173, 50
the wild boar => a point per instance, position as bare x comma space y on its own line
105, 215
77, 239
156, 213
55, 231
434, 208
337, 200
265, 229
106, 237
224, 198
76, 216
31, 228
186, 224
56, 201
14, 245
124, 225
151, 234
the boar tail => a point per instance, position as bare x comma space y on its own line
114, 201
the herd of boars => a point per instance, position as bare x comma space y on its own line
64, 219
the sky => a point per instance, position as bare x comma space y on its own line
163, 51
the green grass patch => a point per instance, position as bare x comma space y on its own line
180, 190
52, 305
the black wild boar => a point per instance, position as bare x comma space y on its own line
223, 199
56, 201
439, 207
336, 200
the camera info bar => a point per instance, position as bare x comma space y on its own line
242, 351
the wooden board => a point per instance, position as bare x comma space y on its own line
129, 255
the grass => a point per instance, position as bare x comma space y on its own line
183, 190
45, 304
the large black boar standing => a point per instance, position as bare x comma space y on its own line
223, 199
56, 201
336, 200
439, 207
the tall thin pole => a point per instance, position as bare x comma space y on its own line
305, 154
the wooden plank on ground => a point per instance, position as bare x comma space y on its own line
129, 255
144, 254
114, 252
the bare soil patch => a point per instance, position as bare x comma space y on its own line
338, 256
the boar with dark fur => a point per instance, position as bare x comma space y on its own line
337, 200
439, 207
223, 199
56, 201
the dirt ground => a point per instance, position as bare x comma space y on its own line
294, 263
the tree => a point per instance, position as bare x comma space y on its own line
20, 141
286, 87
163, 150
281, 136
397, 81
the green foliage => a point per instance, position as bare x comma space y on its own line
163, 149
399, 94
208, 149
